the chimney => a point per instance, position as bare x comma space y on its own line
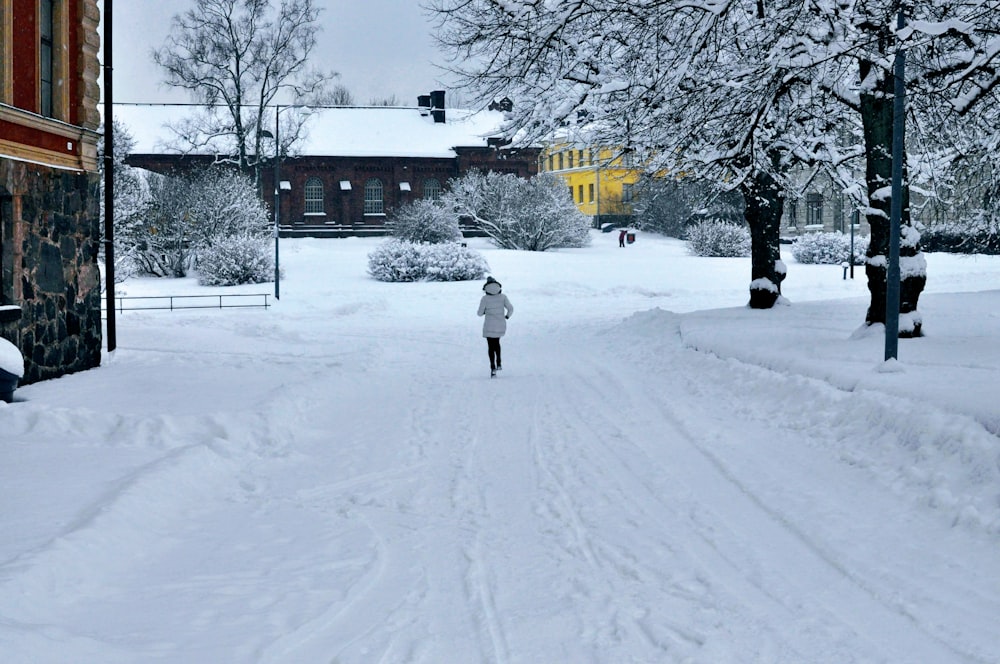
437, 105
424, 103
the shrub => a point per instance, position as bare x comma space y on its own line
718, 239
453, 262
957, 239
828, 248
231, 261
425, 221
187, 214
397, 260
533, 215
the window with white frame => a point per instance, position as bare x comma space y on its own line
374, 201
314, 196
432, 189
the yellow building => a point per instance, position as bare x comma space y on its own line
602, 181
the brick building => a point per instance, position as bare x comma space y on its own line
354, 165
50, 295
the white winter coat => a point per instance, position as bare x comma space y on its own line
497, 309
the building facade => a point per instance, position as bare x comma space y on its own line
602, 181
50, 293
355, 165
820, 207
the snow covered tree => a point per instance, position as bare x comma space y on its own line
131, 202
221, 202
534, 214
162, 247
191, 212
739, 92
232, 260
239, 58
644, 77
425, 221
669, 206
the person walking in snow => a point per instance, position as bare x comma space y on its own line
497, 309
621, 238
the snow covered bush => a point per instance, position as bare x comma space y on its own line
425, 221
828, 248
231, 261
453, 262
189, 213
398, 260
717, 238
982, 236
534, 214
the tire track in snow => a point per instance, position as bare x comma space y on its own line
611, 577
699, 381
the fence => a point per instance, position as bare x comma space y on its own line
174, 302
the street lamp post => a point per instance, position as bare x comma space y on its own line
277, 203
277, 199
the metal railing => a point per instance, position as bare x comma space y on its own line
174, 302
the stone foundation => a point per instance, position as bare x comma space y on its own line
50, 237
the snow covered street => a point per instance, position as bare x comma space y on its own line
658, 474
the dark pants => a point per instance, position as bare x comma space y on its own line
493, 348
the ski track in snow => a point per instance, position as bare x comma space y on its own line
502, 526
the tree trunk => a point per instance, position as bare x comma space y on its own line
877, 122
764, 200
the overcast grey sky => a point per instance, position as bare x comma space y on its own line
379, 47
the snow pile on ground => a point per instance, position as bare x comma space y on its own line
658, 475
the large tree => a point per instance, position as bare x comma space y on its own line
240, 58
740, 91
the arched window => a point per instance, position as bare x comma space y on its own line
432, 189
373, 197
314, 196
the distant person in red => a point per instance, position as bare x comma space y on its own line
621, 238
497, 309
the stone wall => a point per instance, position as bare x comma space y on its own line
52, 236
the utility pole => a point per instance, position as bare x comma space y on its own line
109, 183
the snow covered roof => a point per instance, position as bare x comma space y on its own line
342, 131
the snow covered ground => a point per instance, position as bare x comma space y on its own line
658, 475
